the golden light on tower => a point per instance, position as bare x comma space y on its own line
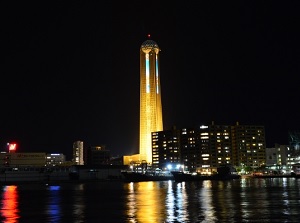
150, 97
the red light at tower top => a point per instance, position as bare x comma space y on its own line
12, 147
149, 36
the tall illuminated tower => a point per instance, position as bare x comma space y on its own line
150, 97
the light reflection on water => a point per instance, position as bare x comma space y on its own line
53, 208
9, 204
244, 200
145, 202
78, 204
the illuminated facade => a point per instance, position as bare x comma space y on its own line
165, 148
55, 159
150, 97
206, 148
78, 153
248, 145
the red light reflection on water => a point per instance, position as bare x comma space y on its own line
9, 204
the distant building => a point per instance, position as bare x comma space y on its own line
97, 155
278, 159
279, 155
23, 159
118, 160
55, 159
78, 153
294, 144
272, 156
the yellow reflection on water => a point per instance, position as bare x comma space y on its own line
145, 202
9, 204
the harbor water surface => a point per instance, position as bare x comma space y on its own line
241, 200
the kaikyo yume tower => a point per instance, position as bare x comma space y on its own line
150, 97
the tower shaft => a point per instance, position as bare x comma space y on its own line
150, 98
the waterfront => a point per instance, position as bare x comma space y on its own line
242, 200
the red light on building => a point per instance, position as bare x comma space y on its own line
12, 147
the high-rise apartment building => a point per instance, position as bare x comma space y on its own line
215, 146
189, 149
206, 148
248, 145
78, 153
150, 97
210, 146
165, 148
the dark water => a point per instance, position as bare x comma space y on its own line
245, 200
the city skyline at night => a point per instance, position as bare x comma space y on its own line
71, 71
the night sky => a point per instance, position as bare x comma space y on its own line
71, 70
